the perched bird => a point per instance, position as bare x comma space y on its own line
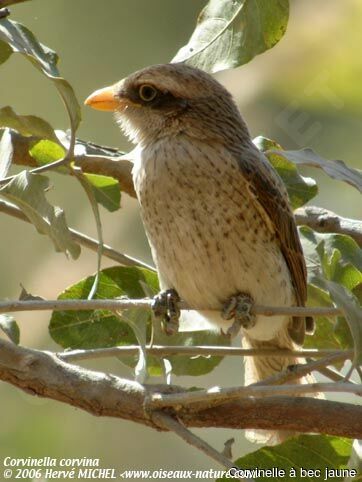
216, 214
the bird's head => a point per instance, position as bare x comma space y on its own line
163, 101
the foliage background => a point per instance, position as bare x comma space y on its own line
315, 69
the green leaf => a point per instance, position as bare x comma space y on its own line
26, 190
22, 40
335, 169
230, 33
300, 189
5, 52
321, 455
335, 254
9, 326
46, 151
6, 153
334, 263
27, 125
343, 333
106, 191
326, 334
345, 300
101, 328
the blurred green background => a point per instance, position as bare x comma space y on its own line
304, 92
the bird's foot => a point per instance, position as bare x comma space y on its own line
165, 307
239, 307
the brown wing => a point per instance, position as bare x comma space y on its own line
268, 189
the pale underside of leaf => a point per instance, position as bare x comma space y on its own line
6, 153
335, 169
9, 326
22, 40
28, 125
26, 190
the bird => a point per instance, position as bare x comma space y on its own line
216, 213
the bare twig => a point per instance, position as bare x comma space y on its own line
334, 375
296, 311
44, 374
298, 371
82, 239
291, 373
126, 304
164, 351
165, 421
325, 221
72, 305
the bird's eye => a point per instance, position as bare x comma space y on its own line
147, 92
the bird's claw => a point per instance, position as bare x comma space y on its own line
165, 307
239, 307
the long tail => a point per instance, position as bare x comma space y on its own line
259, 368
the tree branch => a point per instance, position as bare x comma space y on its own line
325, 221
44, 374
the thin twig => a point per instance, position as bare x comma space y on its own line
215, 396
82, 239
167, 422
295, 372
334, 375
165, 351
297, 311
72, 305
126, 304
